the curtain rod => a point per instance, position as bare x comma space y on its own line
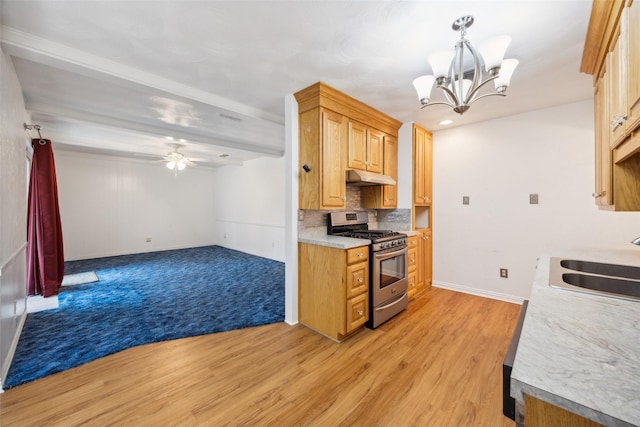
36, 127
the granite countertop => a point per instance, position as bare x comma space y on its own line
581, 352
318, 236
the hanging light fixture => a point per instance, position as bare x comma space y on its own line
460, 87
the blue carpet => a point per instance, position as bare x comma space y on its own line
146, 298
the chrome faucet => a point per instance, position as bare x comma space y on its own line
636, 241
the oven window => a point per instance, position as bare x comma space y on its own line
392, 270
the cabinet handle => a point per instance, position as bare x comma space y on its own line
360, 312
617, 121
360, 280
597, 194
344, 199
413, 260
359, 255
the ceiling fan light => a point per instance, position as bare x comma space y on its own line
171, 164
440, 63
506, 71
423, 85
493, 50
181, 165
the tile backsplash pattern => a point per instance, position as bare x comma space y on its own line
395, 219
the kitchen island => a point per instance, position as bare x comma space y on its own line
581, 352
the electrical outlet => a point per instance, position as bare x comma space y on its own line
504, 273
465, 200
148, 239
533, 199
300, 215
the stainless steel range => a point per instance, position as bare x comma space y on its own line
387, 266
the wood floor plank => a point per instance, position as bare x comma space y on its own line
439, 363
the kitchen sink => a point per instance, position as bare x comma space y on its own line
612, 280
616, 270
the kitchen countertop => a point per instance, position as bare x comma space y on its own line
581, 352
318, 236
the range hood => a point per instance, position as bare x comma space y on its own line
362, 178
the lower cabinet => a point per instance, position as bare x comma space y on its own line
412, 261
333, 289
538, 413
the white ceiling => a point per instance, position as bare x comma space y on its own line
119, 77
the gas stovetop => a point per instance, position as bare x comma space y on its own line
354, 224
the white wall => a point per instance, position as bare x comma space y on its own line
250, 207
110, 206
13, 212
498, 164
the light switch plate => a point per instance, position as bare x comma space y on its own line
465, 200
533, 199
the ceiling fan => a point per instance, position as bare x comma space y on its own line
176, 161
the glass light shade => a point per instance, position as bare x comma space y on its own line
506, 71
493, 50
181, 165
423, 85
171, 164
440, 62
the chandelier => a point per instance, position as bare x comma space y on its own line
459, 82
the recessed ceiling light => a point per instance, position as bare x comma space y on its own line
446, 122
223, 155
170, 138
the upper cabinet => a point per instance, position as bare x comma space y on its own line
384, 196
337, 133
612, 55
365, 148
422, 157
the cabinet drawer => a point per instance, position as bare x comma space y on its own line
412, 258
357, 311
359, 254
357, 279
411, 288
412, 241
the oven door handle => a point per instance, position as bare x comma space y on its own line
384, 307
383, 255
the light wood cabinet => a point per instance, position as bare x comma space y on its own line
412, 262
422, 157
336, 133
333, 289
539, 413
384, 196
323, 136
612, 55
633, 65
365, 148
423, 265
604, 164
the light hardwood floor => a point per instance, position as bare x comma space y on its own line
437, 364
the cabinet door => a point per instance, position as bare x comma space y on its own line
428, 258
633, 65
422, 152
390, 192
357, 157
604, 179
334, 137
375, 150
616, 70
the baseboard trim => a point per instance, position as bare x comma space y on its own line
478, 292
12, 351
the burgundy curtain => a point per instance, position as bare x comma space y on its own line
45, 256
